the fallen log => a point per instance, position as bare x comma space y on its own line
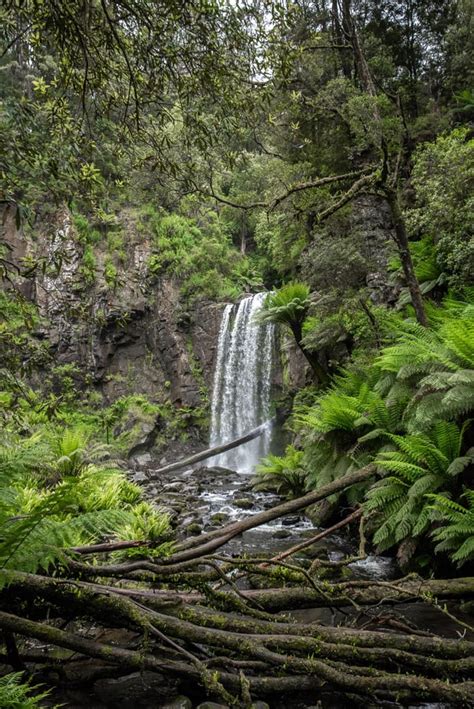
211, 452
339, 666
328, 595
357, 514
337, 595
66, 591
206, 543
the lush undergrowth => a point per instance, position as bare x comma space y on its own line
15, 693
59, 490
406, 409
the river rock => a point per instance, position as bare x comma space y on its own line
219, 517
212, 705
244, 503
140, 689
290, 521
180, 702
174, 486
193, 529
281, 534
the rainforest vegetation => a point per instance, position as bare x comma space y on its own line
320, 150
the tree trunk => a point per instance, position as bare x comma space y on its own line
401, 239
390, 192
311, 357
215, 450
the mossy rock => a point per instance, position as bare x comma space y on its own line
244, 503
219, 517
180, 702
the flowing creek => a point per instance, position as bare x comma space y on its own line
203, 498
207, 497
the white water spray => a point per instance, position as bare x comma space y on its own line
242, 383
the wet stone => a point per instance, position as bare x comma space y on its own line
290, 521
244, 503
219, 517
174, 486
281, 534
194, 528
180, 702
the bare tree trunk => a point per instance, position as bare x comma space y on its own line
215, 450
311, 357
401, 239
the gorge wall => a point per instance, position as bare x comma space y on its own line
122, 330
132, 337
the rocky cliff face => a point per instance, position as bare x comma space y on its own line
132, 337
125, 331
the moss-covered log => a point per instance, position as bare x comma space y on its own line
337, 662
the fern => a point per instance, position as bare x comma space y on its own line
288, 306
39, 525
36, 540
421, 465
22, 456
284, 474
17, 694
456, 536
73, 451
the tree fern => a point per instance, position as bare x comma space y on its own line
442, 395
288, 305
421, 465
456, 536
336, 428
284, 474
435, 365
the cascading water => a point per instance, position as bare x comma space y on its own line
242, 383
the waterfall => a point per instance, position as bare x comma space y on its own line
242, 383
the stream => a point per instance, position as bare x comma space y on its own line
201, 499
204, 498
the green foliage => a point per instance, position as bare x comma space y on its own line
85, 232
15, 693
443, 176
283, 474
81, 503
420, 465
287, 306
427, 268
199, 253
436, 364
343, 428
111, 273
20, 352
282, 239
72, 451
456, 536
88, 267
405, 411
